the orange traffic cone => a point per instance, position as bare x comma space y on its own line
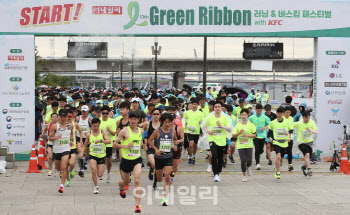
348, 172
43, 146
41, 158
344, 160
33, 163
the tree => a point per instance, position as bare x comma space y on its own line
49, 79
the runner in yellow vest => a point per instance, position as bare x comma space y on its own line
129, 140
96, 140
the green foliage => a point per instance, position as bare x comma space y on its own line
49, 79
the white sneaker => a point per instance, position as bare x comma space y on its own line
108, 178
258, 167
244, 179
96, 190
209, 168
249, 173
114, 157
216, 179
212, 174
49, 173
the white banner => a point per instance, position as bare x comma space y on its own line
332, 92
17, 85
272, 18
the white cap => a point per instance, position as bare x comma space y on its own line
85, 108
134, 100
98, 102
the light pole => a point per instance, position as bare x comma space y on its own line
112, 75
132, 68
205, 67
232, 79
156, 51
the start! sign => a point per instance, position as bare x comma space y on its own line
273, 18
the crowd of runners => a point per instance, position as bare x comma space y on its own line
96, 126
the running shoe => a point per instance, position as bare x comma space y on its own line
225, 163
190, 161
171, 180
60, 190
100, 179
81, 173
114, 157
244, 179
290, 167
150, 174
126, 187
122, 194
96, 190
49, 173
258, 167
270, 162
303, 168
193, 160
67, 184
312, 162
278, 175
85, 164
108, 178
165, 202
138, 209
201, 151
60, 174
172, 174
71, 174
154, 185
216, 178
309, 172
207, 158
231, 159
249, 173
209, 169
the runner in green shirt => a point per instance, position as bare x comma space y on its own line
216, 125
193, 118
306, 129
238, 110
245, 131
280, 134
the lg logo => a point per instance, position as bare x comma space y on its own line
334, 75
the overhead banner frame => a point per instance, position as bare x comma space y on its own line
312, 18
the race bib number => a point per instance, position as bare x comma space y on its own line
306, 135
244, 140
63, 142
97, 148
191, 129
84, 128
217, 131
281, 133
165, 146
135, 151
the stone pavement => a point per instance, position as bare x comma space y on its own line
323, 193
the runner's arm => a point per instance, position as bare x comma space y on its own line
80, 131
152, 137
52, 133
119, 138
106, 138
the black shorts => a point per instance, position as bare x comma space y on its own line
78, 140
58, 156
305, 148
193, 137
177, 154
98, 160
49, 146
127, 166
279, 149
233, 139
73, 151
109, 151
150, 150
163, 162
186, 144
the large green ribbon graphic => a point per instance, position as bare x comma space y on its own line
133, 19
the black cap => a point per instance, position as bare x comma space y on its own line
267, 107
62, 112
134, 115
241, 101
